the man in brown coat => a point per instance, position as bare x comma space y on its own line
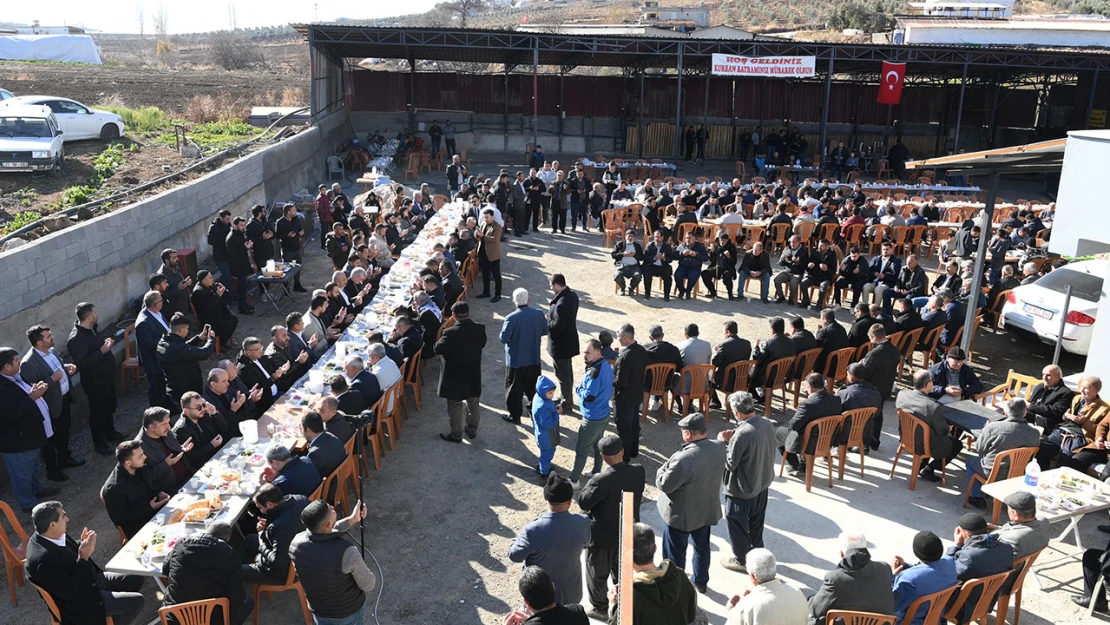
489, 255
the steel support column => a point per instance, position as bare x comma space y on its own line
994, 113
640, 121
535, 91
980, 262
562, 112
678, 110
822, 148
312, 71
412, 95
1091, 99
960, 112
505, 137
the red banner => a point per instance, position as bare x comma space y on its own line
890, 84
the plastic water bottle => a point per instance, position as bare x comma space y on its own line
1032, 477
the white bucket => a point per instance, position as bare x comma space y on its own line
249, 430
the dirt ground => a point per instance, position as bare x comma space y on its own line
442, 516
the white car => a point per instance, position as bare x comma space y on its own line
77, 121
5, 94
1036, 307
30, 140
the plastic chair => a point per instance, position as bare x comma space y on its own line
875, 241
14, 556
660, 375
699, 388
988, 590
994, 309
826, 428
291, 583
1012, 588
937, 601
774, 378
373, 441
130, 363
388, 407
908, 426
852, 234
778, 236
804, 231
827, 232
907, 346
859, 418
740, 374
55, 613
412, 378
336, 166
193, 612
836, 366
884, 170
803, 366
851, 617
612, 220
928, 347
861, 351
1015, 460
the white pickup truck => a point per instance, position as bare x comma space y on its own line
30, 140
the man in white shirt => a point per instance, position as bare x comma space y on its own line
731, 216
24, 430
383, 368
42, 364
770, 601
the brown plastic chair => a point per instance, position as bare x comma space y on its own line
612, 221
1012, 588
735, 233
859, 417
291, 583
660, 375
130, 363
852, 234
883, 170
861, 351
699, 388
774, 378
778, 236
14, 555
899, 237
993, 311
1015, 459
908, 425
851, 617
683, 228
412, 378
803, 366
193, 612
907, 346
836, 366
55, 613
875, 241
804, 231
916, 238
937, 602
826, 429
988, 587
740, 373
389, 422
929, 352
827, 232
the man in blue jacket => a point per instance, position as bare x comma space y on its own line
953, 380
594, 392
691, 255
521, 334
933, 573
978, 553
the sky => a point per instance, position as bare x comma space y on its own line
121, 16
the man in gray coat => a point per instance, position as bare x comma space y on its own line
997, 437
858, 583
42, 364
749, 471
943, 447
554, 542
689, 497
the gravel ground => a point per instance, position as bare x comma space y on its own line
442, 517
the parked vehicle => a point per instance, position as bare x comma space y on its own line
1036, 308
76, 120
30, 140
5, 94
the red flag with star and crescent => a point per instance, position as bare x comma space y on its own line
890, 86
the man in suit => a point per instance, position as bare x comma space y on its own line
349, 401
211, 309
165, 455
460, 377
661, 351
1050, 399
518, 212
859, 393
884, 273
217, 239
521, 334
24, 430
820, 271
953, 317
239, 262
911, 283
42, 364
261, 235
777, 347
452, 283
362, 381
906, 319
627, 256
817, 404
128, 493
180, 358
406, 337
803, 339
301, 339
282, 351
150, 326
731, 350
489, 255
325, 450
562, 339
857, 335
830, 336
293, 476
794, 260
657, 264
601, 499
628, 388
555, 541
920, 403
233, 402
689, 484
64, 568
880, 365
93, 356
177, 293
256, 369
336, 422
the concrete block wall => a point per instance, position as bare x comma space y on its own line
107, 260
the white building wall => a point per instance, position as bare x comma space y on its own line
1010, 34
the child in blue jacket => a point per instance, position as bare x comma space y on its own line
545, 423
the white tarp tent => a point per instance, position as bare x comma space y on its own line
62, 48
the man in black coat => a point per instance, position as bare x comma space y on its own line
857, 335
722, 266
628, 388
93, 356
860, 393
854, 273
562, 339
280, 351
198, 423
731, 350
280, 521
820, 271
910, 283
830, 336
296, 476
880, 365
83, 592
217, 238
600, 498
819, 403
261, 235
177, 293
150, 326
205, 566
338, 245
460, 376
128, 493
803, 339
906, 319
627, 256
325, 450
662, 351
239, 262
179, 358
452, 283
165, 456
657, 264
335, 422
233, 402
777, 347
212, 310
290, 233
363, 381
348, 401
1049, 400
256, 369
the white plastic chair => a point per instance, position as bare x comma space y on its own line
336, 166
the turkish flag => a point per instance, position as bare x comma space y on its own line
890, 86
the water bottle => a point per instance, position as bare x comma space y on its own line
1032, 477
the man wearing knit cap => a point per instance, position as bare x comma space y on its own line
601, 499
978, 553
933, 573
689, 486
554, 542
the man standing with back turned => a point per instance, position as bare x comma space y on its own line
521, 335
